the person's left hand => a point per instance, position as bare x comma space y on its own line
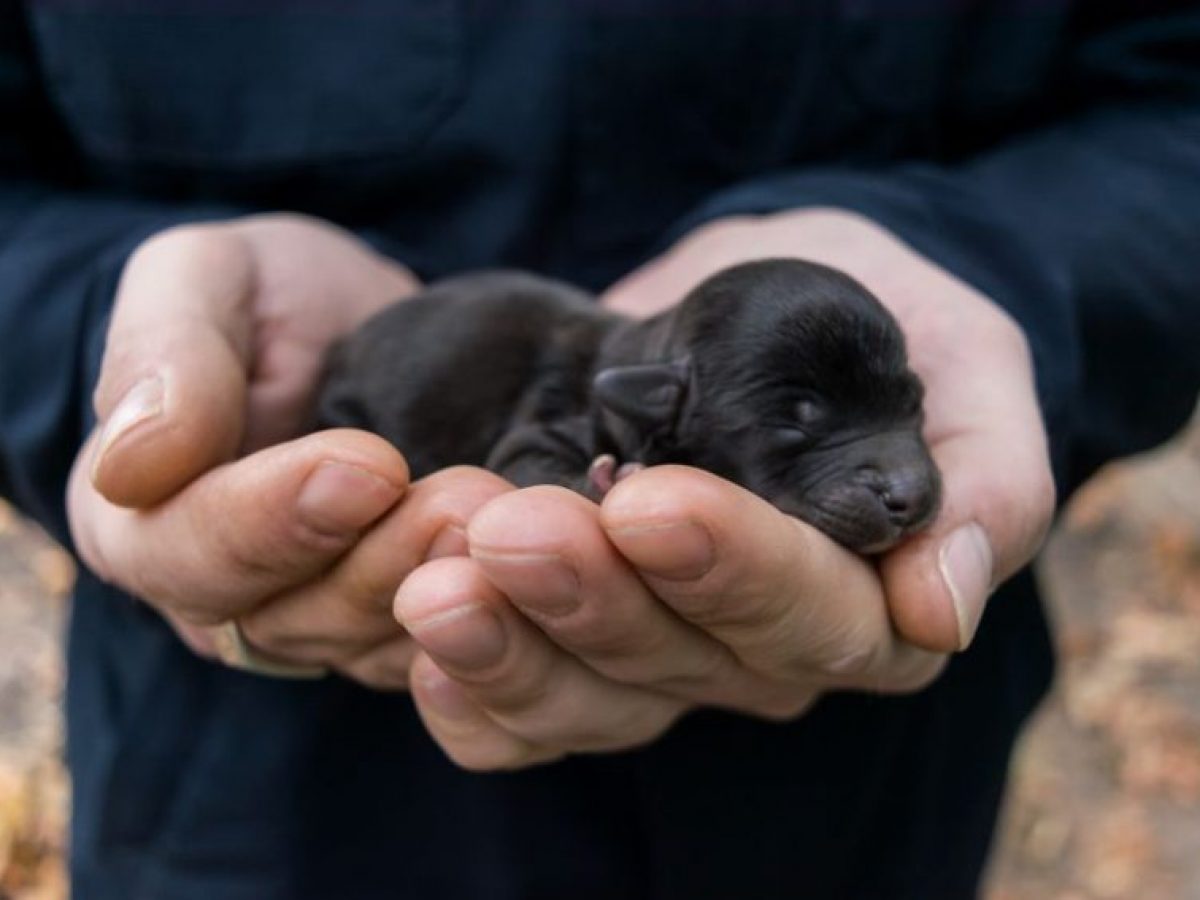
572, 627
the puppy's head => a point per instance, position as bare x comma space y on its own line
792, 380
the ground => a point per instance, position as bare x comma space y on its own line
1104, 800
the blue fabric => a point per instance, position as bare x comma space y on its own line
1048, 153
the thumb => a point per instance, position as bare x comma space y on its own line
998, 499
244, 531
171, 396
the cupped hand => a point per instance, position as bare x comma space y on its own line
578, 628
194, 491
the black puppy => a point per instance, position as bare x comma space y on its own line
782, 375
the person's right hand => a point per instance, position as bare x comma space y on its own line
194, 492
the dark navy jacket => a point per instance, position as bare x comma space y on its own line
1047, 152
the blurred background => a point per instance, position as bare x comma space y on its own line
1104, 799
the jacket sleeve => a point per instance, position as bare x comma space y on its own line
62, 248
1086, 228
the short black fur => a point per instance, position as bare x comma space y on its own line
784, 376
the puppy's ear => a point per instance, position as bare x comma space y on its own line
650, 396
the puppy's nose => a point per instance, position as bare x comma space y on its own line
909, 496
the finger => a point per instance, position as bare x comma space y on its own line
513, 673
332, 618
998, 494
245, 530
543, 547
664, 281
197, 638
782, 596
384, 667
315, 282
172, 386
466, 734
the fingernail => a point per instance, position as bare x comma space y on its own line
677, 551
468, 637
338, 498
450, 541
965, 561
141, 403
538, 582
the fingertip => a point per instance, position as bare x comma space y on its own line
165, 430
460, 727
679, 550
425, 674
937, 586
439, 586
439, 695
669, 521
967, 566
363, 449
539, 519
665, 493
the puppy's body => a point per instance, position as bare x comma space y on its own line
449, 374
784, 376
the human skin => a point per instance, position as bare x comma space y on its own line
198, 502
554, 625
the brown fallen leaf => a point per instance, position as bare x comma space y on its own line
55, 571
1118, 856
1097, 503
1166, 764
33, 832
1143, 637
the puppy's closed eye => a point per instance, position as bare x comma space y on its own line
810, 410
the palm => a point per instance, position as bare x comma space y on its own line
313, 284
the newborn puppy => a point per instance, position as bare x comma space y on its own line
784, 376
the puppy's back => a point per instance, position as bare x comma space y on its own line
441, 375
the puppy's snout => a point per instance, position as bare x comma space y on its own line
908, 497
909, 494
